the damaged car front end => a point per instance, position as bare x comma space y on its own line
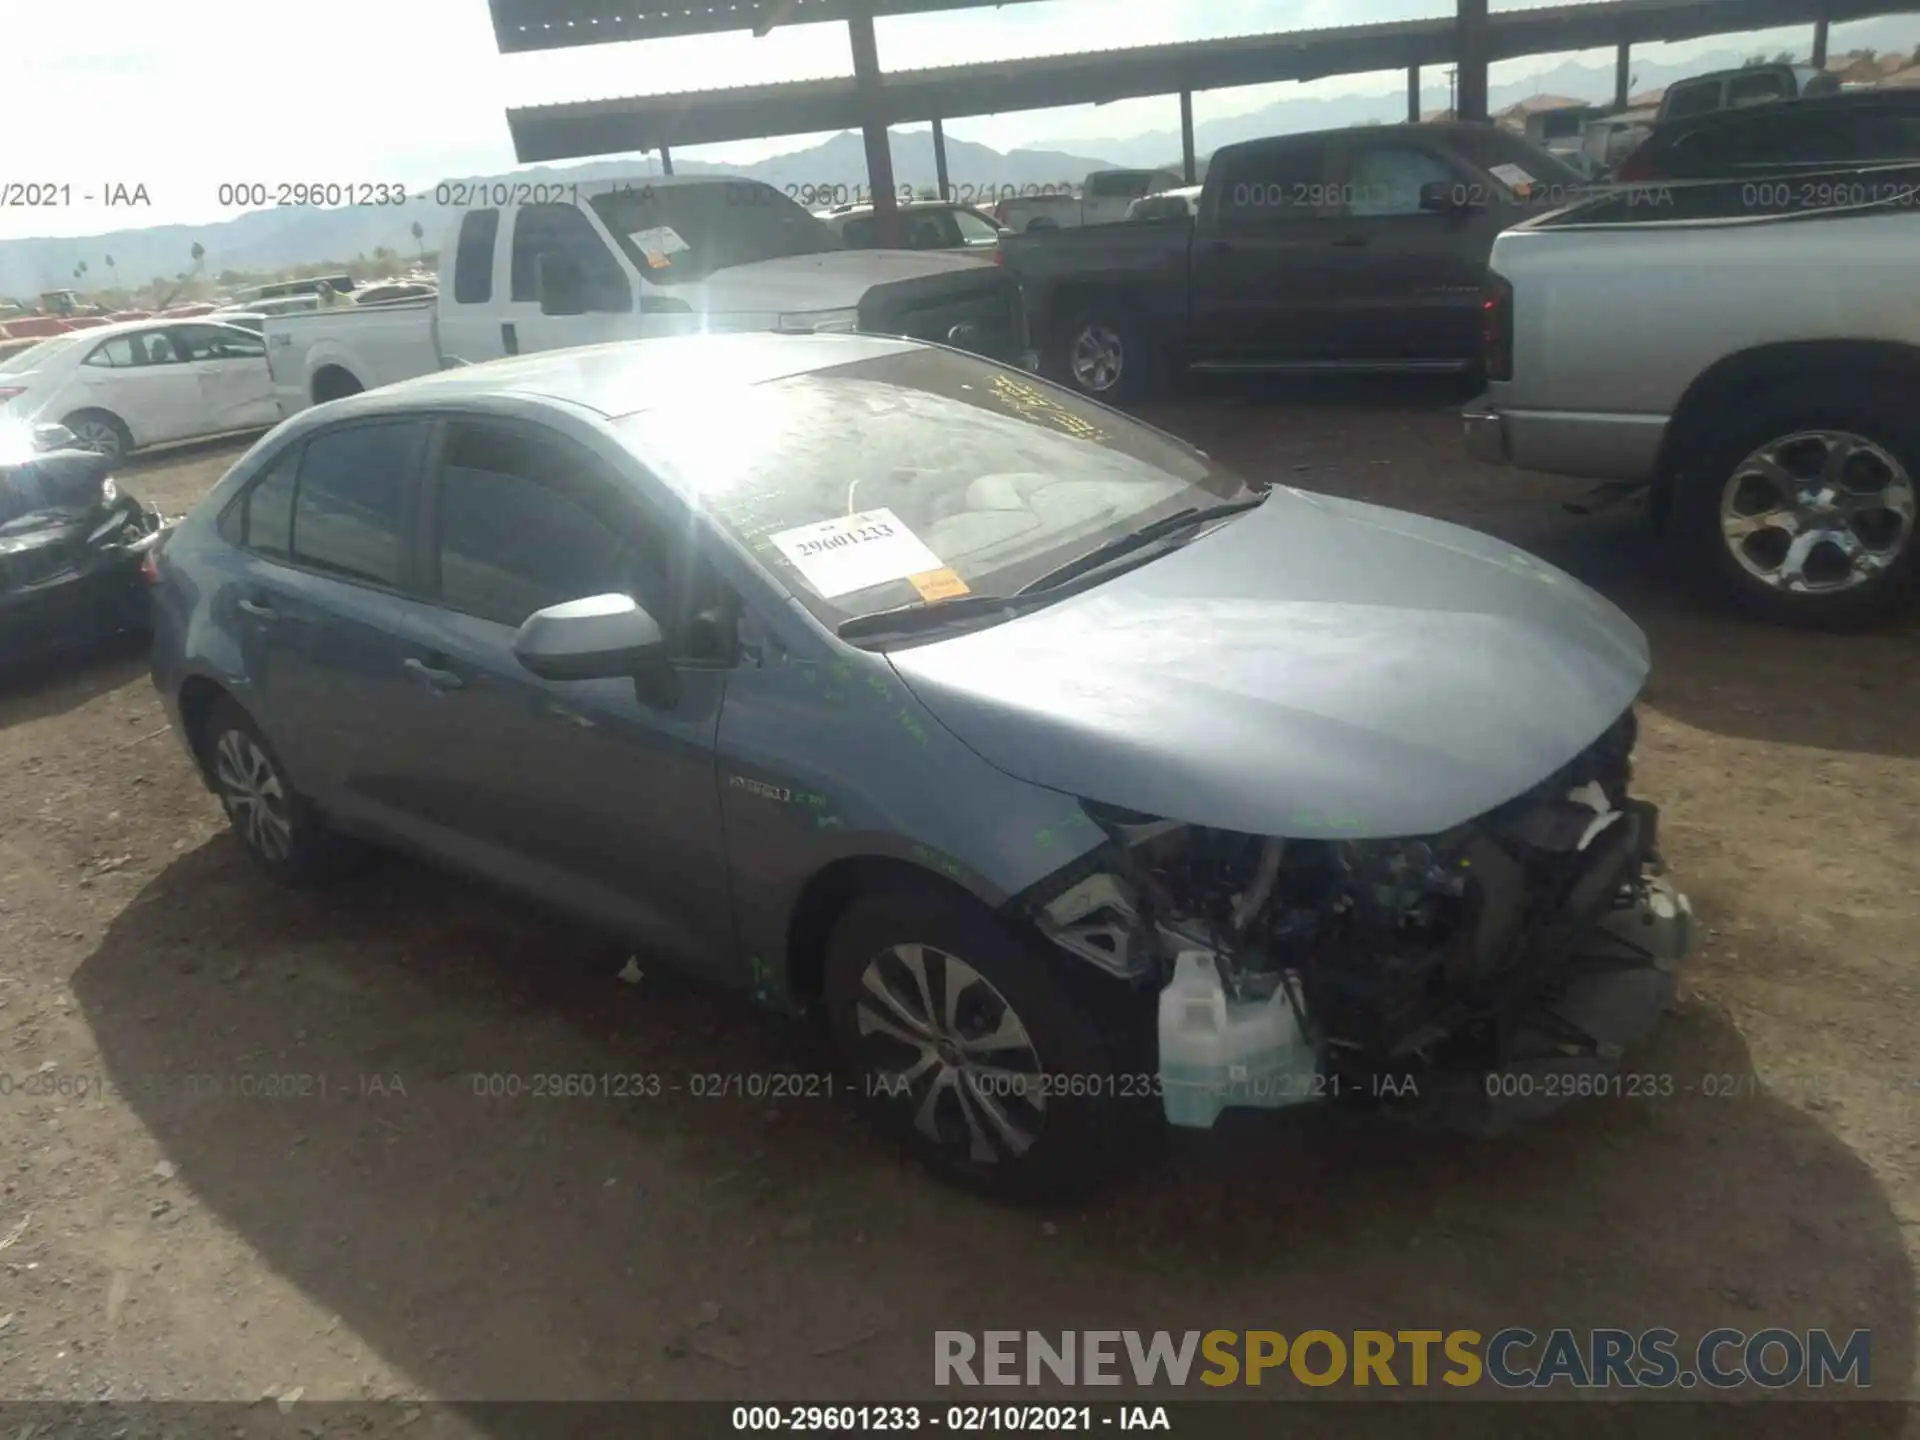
1473, 976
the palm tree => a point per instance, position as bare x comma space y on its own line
116, 271
420, 241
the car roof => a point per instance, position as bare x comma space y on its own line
625, 377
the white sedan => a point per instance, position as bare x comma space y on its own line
122, 387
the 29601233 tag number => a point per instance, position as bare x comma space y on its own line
857, 536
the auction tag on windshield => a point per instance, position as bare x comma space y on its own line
854, 552
939, 585
1513, 177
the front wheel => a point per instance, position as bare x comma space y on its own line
968, 1044
1805, 515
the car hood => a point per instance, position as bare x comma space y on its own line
1316, 668
835, 280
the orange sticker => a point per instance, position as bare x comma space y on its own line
938, 585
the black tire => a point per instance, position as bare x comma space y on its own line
101, 431
1074, 1033
291, 843
1712, 477
1105, 352
333, 383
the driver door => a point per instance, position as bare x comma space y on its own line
566, 235
599, 795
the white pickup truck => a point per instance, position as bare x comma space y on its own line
1103, 199
565, 264
1748, 352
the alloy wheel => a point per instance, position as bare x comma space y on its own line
1818, 512
1096, 357
945, 1044
97, 436
253, 794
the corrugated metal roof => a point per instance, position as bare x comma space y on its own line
578, 129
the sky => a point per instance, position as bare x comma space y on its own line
181, 96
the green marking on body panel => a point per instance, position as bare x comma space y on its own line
926, 855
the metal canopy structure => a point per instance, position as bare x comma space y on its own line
871, 102
523, 25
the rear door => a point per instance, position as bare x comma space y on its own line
1262, 262
600, 794
1405, 282
230, 367
318, 611
138, 377
470, 324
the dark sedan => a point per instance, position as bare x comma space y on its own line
1069, 777
71, 550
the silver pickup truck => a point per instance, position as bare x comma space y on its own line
1749, 352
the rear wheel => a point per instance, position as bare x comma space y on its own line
968, 1044
1805, 513
277, 826
1104, 353
100, 431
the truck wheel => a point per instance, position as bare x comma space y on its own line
1805, 514
966, 1041
1104, 353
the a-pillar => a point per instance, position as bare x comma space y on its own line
873, 124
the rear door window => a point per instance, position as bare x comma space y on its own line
262, 518
1273, 183
1756, 89
473, 257
1697, 99
564, 230
351, 499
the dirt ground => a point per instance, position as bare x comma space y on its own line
399, 1236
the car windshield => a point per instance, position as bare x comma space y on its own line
676, 233
921, 476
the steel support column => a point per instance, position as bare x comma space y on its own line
1413, 94
1187, 161
1820, 42
1622, 75
666, 161
940, 160
873, 126
1471, 44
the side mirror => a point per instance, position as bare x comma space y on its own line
603, 637
1444, 197
49, 437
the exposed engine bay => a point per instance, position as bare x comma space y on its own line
1465, 951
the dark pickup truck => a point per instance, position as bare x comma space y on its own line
1344, 250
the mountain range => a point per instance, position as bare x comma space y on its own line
274, 239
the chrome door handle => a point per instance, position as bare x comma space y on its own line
259, 611
435, 679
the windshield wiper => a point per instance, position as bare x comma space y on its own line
929, 615
1161, 529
